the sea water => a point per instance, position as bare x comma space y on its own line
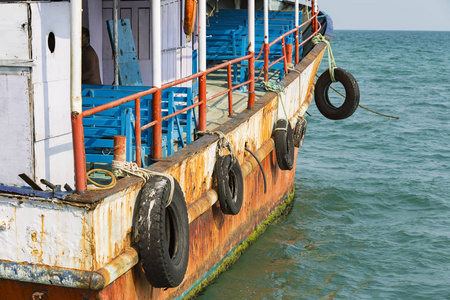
371, 215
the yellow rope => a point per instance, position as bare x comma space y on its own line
99, 186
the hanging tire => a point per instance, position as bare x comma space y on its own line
299, 133
284, 144
230, 184
326, 108
163, 233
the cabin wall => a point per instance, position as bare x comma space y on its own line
176, 52
35, 85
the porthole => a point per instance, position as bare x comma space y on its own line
51, 42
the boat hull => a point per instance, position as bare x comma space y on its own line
216, 240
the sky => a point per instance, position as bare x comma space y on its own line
388, 14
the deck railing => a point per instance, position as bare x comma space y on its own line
281, 38
77, 120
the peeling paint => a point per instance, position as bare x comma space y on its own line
84, 240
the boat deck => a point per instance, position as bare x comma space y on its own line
217, 112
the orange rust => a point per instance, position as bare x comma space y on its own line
120, 149
212, 234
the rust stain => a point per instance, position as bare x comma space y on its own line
82, 260
34, 236
212, 234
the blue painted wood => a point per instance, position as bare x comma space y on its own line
129, 71
225, 44
100, 128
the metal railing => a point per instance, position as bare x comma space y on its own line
284, 57
157, 119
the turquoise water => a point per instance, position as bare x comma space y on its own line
371, 216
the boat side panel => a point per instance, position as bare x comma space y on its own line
43, 232
113, 225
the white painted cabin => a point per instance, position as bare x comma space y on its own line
35, 126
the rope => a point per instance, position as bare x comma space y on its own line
222, 143
375, 112
331, 63
131, 168
270, 86
98, 186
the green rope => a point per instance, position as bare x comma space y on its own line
273, 87
331, 63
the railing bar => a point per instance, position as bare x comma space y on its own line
276, 61
152, 123
218, 94
178, 112
240, 84
290, 32
117, 102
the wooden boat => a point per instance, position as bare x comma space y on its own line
89, 244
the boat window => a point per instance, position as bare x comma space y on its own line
51, 42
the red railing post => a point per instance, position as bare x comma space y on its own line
157, 129
297, 51
79, 152
251, 77
266, 62
202, 100
289, 53
137, 130
283, 45
120, 148
314, 14
230, 91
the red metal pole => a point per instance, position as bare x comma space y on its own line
157, 129
202, 100
283, 45
297, 51
230, 92
289, 53
120, 148
137, 130
79, 152
251, 77
314, 20
266, 62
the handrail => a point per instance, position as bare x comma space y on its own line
202, 100
290, 31
295, 30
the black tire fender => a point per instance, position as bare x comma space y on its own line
163, 233
230, 185
299, 133
352, 95
284, 144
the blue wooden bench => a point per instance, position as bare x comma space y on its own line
227, 37
101, 127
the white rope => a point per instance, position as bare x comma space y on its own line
222, 143
131, 168
280, 90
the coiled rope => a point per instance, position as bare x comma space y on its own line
98, 186
123, 168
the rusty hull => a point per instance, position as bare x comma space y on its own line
111, 214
